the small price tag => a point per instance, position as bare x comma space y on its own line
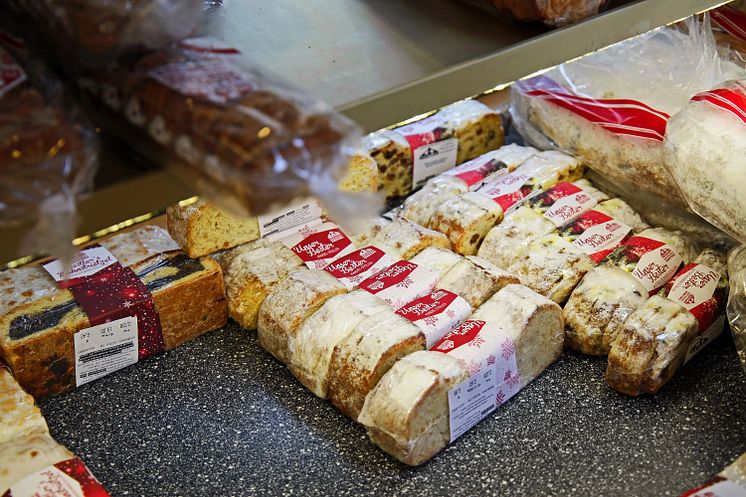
472, 400
433, 159
306, 213
105, 348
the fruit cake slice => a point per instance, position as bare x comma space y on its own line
38, 320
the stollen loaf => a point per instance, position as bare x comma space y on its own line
539, 216
438, 260
290, 303
39, 320
670, 327
362, 357
476, 280
467, 218
609, 293
554, 264
310, 350
408, 413
469, 176
705, 145
251, 271
406, 239
19, 416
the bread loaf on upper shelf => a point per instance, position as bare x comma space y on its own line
550, 12
38, 320
19, 416
477, 128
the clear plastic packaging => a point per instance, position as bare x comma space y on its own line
550, 12
737, 300
96, 30
610, 108
48, 152
705, 145
248, 142
670, 327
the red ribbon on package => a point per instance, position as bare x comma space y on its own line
620, 116
107, 291
732, 99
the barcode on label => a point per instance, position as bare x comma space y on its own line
105, 348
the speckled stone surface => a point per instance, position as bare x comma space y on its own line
220, 417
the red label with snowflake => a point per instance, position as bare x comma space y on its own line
108, 291
11, 74
436, 313
731, 99
596, 234
569, 203
619, 116
490, 356
359, 265
317, 246
731, 20
401, 283
69, 478
475, 171
509, 189
701, 290
652, 262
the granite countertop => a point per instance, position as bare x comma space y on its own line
220, 417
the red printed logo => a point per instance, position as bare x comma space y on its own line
69, 478
214, 80
463, 334
619, 116
355, 263
322, 245
391, 276
428, 306
698, 288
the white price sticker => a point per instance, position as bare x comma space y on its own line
433, 159
307, 213
472, 400
105, 348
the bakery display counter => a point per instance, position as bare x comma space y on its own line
220, 416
